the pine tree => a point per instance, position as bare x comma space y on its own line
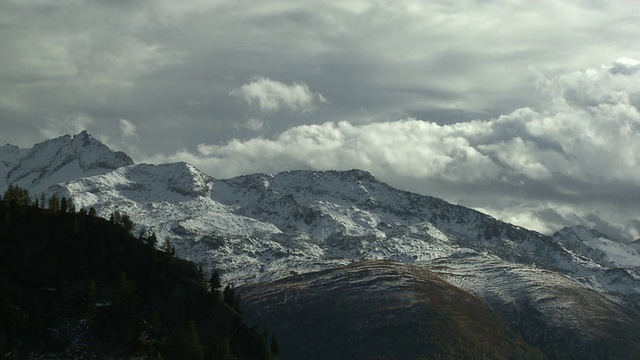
115, 217
168, 247
54, 203
229, 297
188, 344
275, 348
126, 222
72, 205
17, 197
214, 282
151, 240
63, 205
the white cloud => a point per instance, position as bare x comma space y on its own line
71, 124
254, 124
625, 66
588, 134
128, 129
171, 65
585, 143
270, 95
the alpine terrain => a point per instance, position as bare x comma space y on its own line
302, 246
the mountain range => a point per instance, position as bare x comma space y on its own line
261, 231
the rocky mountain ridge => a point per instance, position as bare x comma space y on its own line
57, 160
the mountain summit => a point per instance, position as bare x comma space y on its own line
58, 160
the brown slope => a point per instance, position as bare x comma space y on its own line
379, 310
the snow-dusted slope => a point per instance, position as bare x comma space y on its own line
10, 156
262, 227
542, 304
57, 160
255, 227
377, 310
551, 311
599, 246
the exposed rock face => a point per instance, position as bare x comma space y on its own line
58, 160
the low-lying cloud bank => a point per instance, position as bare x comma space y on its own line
574, 160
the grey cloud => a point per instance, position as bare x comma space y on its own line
73, 124
564, 154
625, 66
545, 129
128, 129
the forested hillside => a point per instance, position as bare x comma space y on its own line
74, 285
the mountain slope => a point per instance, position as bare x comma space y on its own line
552, 311
76, 286
599, 246
379, 310
261, 227
265, 227
57, 160
384, 309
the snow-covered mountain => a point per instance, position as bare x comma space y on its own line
57, 160
598, 246
262, 227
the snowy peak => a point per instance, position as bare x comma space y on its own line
142, 183
598, 246
582, 233
338, 183
261, 227
8, 152
10, 156
62, 159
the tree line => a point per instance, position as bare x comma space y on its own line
74, 285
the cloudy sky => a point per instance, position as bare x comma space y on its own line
526, 110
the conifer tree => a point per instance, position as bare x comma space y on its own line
168, 247
16, 196
126, 222
275, 348
188, 344
214, 282
63, 205
54, 203
151, 240
229, 297
71, 205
